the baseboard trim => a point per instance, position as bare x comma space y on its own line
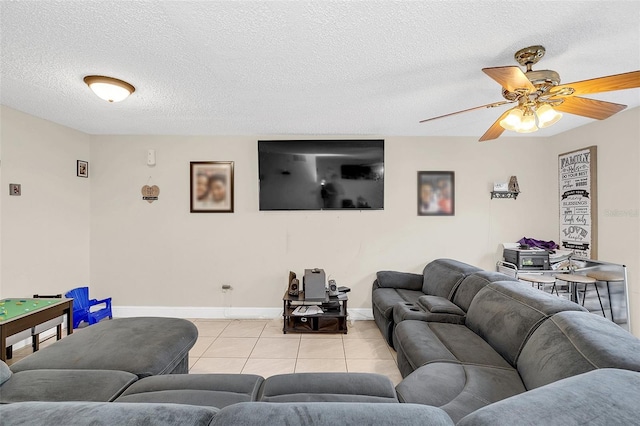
192, 312
216, 312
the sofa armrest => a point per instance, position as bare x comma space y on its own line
605, 396
94, 413
404, 280
439, 305
330, 414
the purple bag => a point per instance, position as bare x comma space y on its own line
532, 242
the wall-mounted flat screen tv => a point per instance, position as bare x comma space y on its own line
321, 174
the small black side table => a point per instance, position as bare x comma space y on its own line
331, 321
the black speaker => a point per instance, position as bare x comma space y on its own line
294, 285
333, 288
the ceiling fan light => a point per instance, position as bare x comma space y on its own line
512, 120
108, 88
547, 116
528, 124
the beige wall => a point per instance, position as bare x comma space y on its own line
618, 141
160, 254
45, 232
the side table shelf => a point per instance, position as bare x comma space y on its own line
332, 321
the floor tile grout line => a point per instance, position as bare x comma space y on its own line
254, 346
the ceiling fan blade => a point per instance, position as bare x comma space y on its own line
493, 105
629, 80
589, 107
511, 78
495, 130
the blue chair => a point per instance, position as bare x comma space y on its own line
82, 307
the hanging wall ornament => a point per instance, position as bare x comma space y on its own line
150, 193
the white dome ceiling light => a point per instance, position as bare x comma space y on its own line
108, 88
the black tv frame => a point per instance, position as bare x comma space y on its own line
320, 141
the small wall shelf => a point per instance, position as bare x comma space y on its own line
504, 194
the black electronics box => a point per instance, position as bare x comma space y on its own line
532, 260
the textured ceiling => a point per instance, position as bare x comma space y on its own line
339, 67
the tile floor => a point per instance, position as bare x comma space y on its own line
260, 347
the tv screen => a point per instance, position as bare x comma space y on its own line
321, 175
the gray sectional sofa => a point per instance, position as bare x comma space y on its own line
511, 338
484, 350
431, 294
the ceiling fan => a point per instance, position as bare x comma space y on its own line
539, 95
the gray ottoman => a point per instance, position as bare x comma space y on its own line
144, 346
328, 387
212, 390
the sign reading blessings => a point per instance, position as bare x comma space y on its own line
579, 202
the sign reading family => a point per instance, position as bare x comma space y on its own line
579, 202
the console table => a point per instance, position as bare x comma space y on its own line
331, 321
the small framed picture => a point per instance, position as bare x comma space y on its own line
436, 194
212, 187
15, 189
82, 169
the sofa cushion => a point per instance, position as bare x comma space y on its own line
473, 283
601, 397
5, 372
328, 387
144, 346
571, 343
505, 313
405, 280
103, 413
459, 389
330, 414
65, 385
214, 390
439, 305
419, 343
442, 277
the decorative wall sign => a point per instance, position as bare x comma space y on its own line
578, 199
212, 187
436, 194
150, 193
82, 168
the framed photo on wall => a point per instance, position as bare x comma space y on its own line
436, 194
212, 187
82, 169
